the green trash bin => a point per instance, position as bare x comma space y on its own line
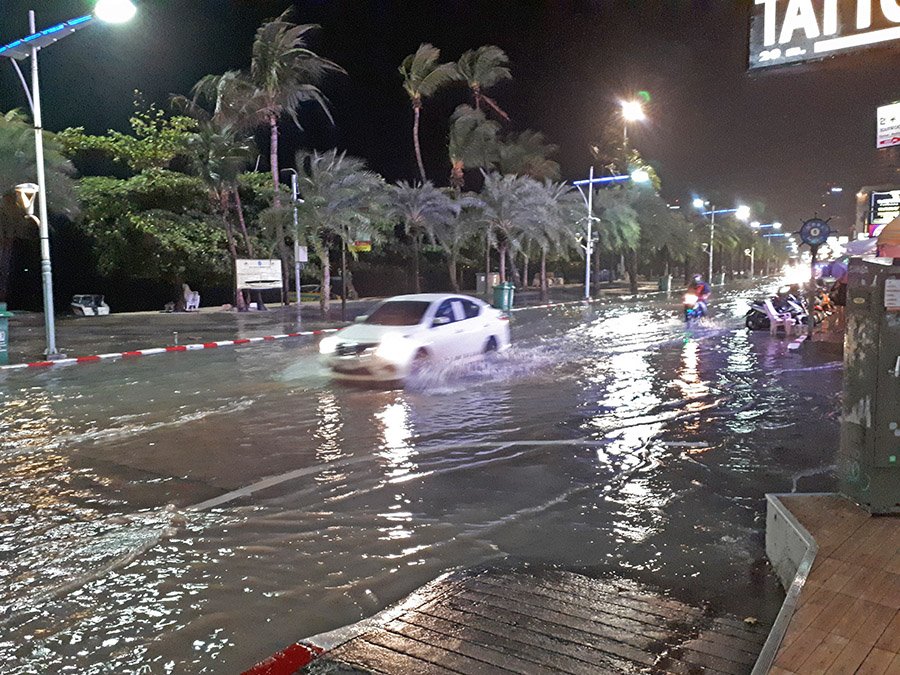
503, 296
4, 334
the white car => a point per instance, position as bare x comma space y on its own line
405, 333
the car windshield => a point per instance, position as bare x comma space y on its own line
399, 313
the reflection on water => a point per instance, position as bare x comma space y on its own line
580, 448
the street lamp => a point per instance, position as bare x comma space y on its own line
640, 176
110, 11
632, 111
742, 212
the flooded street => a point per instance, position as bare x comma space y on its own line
198, 512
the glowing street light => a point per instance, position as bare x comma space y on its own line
632, 111
641, 176
110, 11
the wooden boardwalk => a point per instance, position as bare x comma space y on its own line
551, 622
848, 616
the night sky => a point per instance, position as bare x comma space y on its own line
780, 137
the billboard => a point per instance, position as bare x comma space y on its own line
888, 125
258, 274
794, 31
883, 208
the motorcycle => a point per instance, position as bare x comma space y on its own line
790, 301
694, 308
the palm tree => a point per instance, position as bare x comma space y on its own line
528, 154
423, 76
453, 234
482, 68
473, 143
556, 226
422, 208
218, 156
17, 165
511, 206
284, 73
619, 231
342, 202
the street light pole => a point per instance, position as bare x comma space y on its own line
46, 269
110, 11
589, 243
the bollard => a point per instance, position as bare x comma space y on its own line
4, 334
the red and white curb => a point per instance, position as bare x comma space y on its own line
197, 346
288, 661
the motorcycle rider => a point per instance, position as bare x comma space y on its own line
701, 289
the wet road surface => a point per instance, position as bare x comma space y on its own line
196, 513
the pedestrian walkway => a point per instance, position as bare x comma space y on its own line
848, 613
536, 622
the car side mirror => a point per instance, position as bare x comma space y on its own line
362, 318
440, 321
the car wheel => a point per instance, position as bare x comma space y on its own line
420, 362
491, 347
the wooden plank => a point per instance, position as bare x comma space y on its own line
375, 659
850, 658
876, 663
825, 653
558, 626
527, 646
437, 655
590, 654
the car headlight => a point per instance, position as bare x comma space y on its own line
329, 345
394, 347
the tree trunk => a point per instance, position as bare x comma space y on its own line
417, 284
458, 175
512, 268
502, 251
451, 268
545, 287
632, 271
487, 260
6, 251
232, 248
276, 202
598, 259
417, 112
239, 209
325, 288
525, 283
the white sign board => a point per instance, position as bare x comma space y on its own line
302, 254
258, 274
794, 31
892, 295
889, 125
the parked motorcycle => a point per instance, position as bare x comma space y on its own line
789, 300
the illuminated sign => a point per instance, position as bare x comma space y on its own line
884, 207
888, 125
793, 31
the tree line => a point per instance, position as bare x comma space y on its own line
179, 197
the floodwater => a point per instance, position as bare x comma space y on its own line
198, 512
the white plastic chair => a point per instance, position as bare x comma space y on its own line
776, 319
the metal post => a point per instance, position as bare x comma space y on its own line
588, 248
811, 295
752, 261
295, 195
46, 270
712, 237
343, 281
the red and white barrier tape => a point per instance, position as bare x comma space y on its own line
165, 350
288, 661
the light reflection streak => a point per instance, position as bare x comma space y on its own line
329, 433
